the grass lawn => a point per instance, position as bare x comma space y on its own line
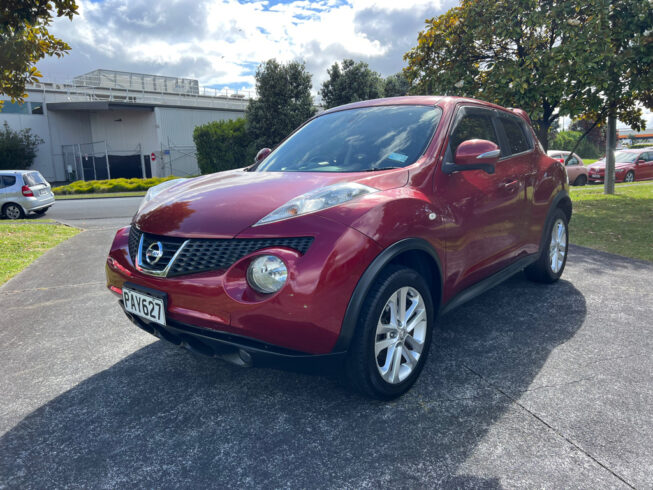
22, 242
621, 223
63, 197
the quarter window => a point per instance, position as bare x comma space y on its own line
518, 140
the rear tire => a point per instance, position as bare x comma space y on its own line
553, 258
391, 343
581, 180
13, 211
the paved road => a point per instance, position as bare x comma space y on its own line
83, 212
527, 386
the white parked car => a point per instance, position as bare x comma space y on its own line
22, 192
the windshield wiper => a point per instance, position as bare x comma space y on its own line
376, 169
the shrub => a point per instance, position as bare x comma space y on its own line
566, 140
113, 185
17, 148
223, 145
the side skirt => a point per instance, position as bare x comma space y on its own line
488, 283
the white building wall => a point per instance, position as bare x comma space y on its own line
66, 128
175, 128
38, 123
125, 131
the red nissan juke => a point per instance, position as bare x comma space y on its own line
339, 249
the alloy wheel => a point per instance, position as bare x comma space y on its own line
558, 246
630, 177
400, 335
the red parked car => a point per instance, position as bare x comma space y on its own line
340, 248
629, 166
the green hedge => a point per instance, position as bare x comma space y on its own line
113, 185
223, 145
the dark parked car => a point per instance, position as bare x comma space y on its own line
339, 249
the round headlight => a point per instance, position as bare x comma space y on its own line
267, 274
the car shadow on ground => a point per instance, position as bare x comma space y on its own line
162, 417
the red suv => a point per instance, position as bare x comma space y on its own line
340, 248
629, 166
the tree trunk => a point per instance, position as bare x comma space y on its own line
611, 143
542, 132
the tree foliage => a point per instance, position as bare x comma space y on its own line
223, 145
566, 140
350, 83
24, 40
551, 58
17, 148
396, 85
284, 102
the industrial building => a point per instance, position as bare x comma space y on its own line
109, 124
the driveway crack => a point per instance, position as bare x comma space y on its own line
545, 423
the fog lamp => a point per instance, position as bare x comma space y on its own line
267, 274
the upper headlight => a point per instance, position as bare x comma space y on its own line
317, 200
153, 191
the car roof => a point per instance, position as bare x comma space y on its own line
17, 172
428, 100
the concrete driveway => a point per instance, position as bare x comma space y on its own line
526, 386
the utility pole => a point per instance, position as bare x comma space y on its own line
611, 143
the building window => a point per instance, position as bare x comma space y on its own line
37, 107
14, 108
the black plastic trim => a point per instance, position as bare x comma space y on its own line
367, 280
488, 283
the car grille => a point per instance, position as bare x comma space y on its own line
200, 255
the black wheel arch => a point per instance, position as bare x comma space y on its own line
560, 201
415, 253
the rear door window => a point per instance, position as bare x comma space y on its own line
518, 139
7, 181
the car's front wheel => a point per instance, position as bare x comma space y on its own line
581, 180
630, 176
13, 211
393, 335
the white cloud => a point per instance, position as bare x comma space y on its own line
221, 42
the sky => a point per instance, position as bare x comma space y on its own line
221, 42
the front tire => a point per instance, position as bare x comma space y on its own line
581, 180
13, 211
393, 335
630, 176
553, 258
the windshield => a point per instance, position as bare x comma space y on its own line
357, 140
624, 157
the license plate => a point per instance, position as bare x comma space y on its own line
144, 305
596, 176
44, 192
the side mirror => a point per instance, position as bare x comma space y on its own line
474, 155
262, 154
641, 160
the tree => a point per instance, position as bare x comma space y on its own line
223, 145
17, 148
547, 57
284, 102
24, 40
351, 83
567, 140
396, 85
595, 133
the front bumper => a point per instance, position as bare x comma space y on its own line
304, 317
237, 350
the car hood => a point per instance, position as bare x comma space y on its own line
601, 165
222, 205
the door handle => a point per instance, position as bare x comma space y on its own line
509, 184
